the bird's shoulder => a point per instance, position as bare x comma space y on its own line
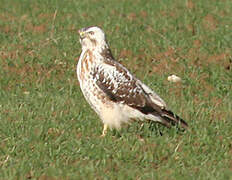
118, 83
121, 86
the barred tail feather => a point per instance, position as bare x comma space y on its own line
169, 118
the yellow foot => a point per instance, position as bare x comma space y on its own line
104, 130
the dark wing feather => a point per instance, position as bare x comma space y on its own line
120, 86
173, 118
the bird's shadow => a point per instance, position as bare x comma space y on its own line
148, 129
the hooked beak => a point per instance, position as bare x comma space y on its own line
81, 33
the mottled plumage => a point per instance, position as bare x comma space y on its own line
112, 91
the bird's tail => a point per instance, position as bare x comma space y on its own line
169, 118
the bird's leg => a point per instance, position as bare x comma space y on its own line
104, 130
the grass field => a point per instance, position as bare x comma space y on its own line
48, 131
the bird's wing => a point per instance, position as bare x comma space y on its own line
154, 97
122, 87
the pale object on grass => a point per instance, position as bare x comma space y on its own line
174, 78
26, 92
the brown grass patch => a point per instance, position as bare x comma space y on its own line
209, 22
217, 58
193, 75
149, 29
45, 177
6, 17
143, 14
168, 61
201, 86
131, 16
216, 102
85, 15
190, 4
191, 28
37, 29
195, 57
24, 73
221, 59
169, 53
168, 66
5, 29
197, 43
45, 16
125, 54
169, 14
204, 86
9, 54
217, 116
228, 64
176, 90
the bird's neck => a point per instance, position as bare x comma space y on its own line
96, 49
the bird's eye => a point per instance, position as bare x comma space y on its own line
91, 32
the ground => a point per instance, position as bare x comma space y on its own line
47, 129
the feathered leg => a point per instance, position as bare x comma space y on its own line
104, 130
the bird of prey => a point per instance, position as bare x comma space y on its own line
112, 91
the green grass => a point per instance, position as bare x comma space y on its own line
47, 129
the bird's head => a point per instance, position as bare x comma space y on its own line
92, 38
